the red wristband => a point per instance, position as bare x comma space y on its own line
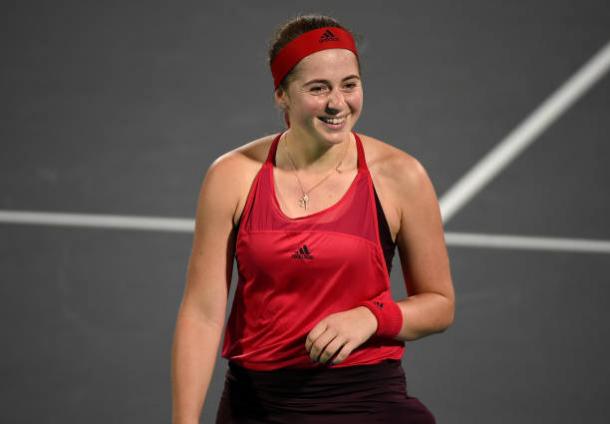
388, 314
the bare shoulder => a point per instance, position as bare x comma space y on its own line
393, 170
387, 160
407, 186
238, 167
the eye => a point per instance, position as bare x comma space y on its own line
318, 88
351, 85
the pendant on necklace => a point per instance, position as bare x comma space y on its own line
303, 201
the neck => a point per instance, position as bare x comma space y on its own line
312, 155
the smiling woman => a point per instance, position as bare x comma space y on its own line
312, 215
317, 77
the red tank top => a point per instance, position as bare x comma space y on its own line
292, 272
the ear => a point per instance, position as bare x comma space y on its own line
281, 98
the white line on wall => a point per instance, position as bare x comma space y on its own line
501, 241
522, 136
176, 225
98, 221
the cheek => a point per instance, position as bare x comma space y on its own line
356, 101
313, 106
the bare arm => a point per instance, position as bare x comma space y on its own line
430, 305
201, 316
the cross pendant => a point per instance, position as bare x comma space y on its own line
303, 201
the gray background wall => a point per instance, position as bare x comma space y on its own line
118, 108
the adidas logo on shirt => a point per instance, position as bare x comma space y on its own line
302, 253
328, 36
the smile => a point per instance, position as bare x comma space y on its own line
333, 121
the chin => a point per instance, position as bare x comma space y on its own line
334, 137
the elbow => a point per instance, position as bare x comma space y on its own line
448, 315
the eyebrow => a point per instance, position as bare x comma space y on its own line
326, 81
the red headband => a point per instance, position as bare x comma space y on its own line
306, 44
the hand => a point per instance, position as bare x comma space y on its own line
340, 333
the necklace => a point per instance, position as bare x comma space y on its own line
305, 197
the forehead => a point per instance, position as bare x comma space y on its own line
328, 64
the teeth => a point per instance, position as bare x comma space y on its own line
334, 121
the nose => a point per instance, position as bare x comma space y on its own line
336, 100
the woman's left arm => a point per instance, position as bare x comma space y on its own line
430, 305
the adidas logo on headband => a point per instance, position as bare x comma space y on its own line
307, 43
328, 36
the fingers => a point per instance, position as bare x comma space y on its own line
327, 346
336, 336
313, 335
321, 346
343, 353
331, 350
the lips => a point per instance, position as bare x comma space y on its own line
333, 120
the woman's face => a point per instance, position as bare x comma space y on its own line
326, 85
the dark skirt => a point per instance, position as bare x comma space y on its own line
361, 394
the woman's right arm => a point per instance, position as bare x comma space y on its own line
201, 315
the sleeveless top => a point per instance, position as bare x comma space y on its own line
293, 272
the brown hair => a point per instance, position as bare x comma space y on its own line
296, 26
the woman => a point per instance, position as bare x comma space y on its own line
312, 215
